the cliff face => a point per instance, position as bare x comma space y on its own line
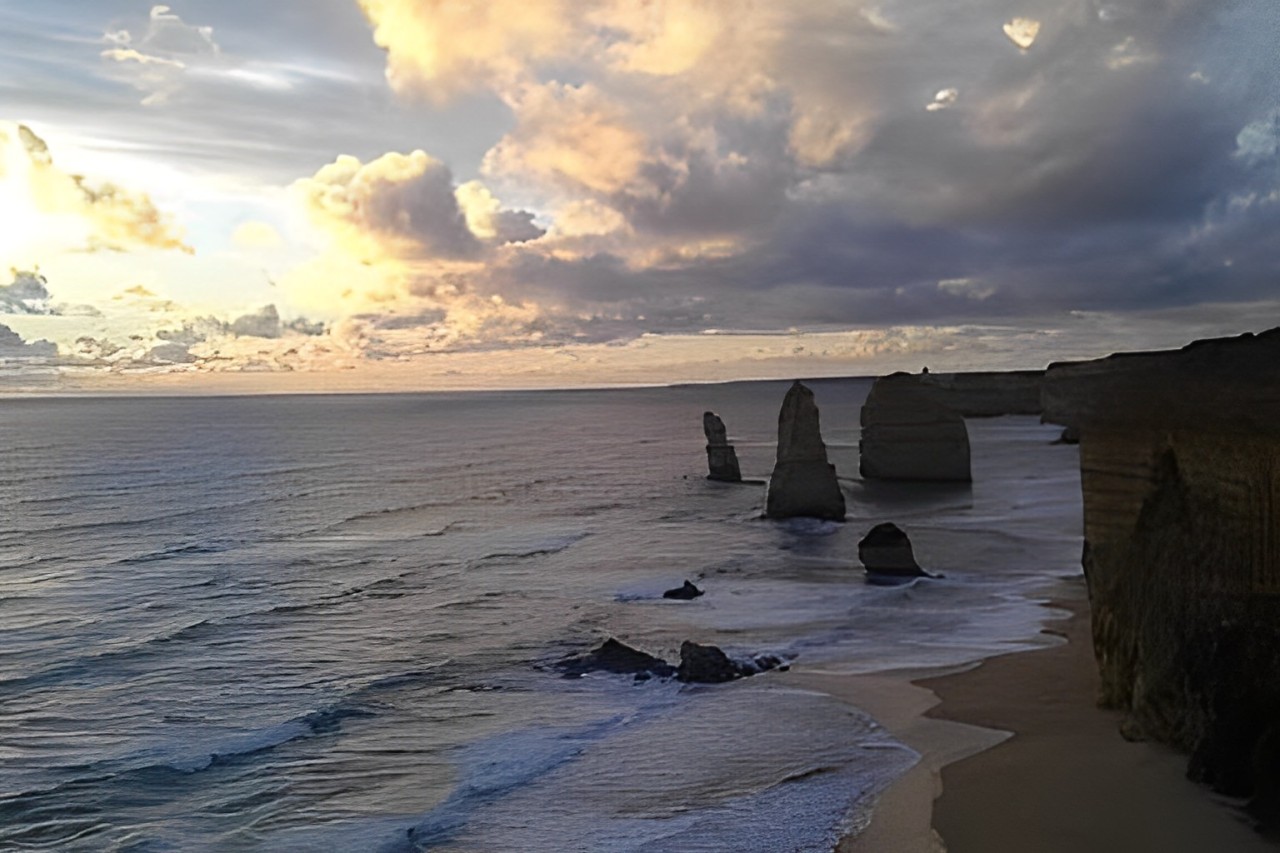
1180, 469
988, 394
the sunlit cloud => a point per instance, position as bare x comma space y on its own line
44, 209
1023, 32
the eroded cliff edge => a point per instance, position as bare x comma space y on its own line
1180, 470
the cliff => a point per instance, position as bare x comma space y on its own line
988, 394
1180, 469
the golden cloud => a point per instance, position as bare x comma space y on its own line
47, 209
442, 48
572, 137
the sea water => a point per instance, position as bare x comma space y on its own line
331, 622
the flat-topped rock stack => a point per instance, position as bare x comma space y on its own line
908, 434
1180, 470
722, 459
803, 483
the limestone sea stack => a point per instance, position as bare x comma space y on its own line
1180, 470
722, 460
803, 483
886, 551
907, 434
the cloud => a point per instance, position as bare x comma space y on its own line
158, 62
1022, 32
256, 235
27, 294
45, 209
442, 48
398, 205
572, 138
489, 222
969, 288
12, 346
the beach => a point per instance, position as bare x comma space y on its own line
1015, 756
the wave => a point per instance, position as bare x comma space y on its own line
166, 772
538, 547
97, 663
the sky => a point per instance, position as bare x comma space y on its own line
416, 194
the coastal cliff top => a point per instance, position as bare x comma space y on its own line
1218, 384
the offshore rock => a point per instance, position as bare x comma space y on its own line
907, 434
886, 550
619, 658
803, 483
687, 592
722, 459
1180, 469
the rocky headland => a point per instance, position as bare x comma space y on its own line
803, 483
1180, 471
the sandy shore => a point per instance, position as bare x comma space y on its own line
1015, 756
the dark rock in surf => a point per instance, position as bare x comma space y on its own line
722, 459
619, 658
886, 550
706, 665
687, 592
701, 664
803, 483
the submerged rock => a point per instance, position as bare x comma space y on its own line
722, 459
803, 482
687, 592
908, 434
886, 550
619, 658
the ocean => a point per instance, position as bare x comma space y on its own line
330, 623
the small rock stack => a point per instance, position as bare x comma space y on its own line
722, 460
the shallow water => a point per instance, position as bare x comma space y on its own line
313, 623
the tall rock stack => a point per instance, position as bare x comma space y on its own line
722, 460
803, 482
1180, 469
908, 434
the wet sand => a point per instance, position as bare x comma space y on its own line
1020, 759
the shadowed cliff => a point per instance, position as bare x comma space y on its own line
1180, 470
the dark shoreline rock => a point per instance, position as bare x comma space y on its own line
618, 658
804, 483
699, 664
686, 592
